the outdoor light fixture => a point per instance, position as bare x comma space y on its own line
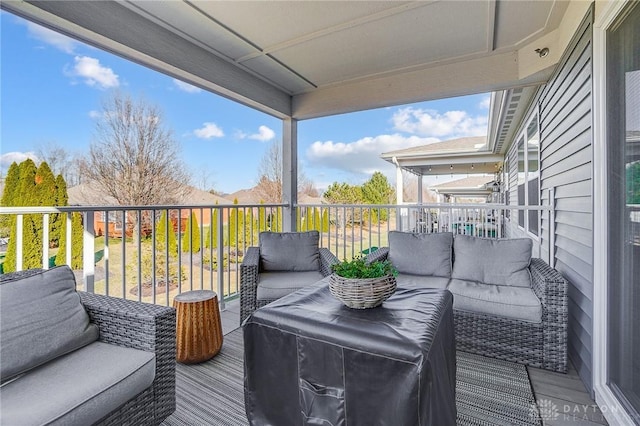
451, 167
542, 52
429, 168
471, 166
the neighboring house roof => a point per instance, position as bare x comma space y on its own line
245, 196
90, 194
472, 186
455, 156
469, 144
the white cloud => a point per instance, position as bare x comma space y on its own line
485, 103
264, 134
208, 131
9, 157
94, 74
449, 125
95, 114
52, 38
186, 87
362, 156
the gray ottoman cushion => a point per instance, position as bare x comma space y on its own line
274, 285
500, 262
421, 254
41, 318
421, 281
501, 300
79, 388
290, 251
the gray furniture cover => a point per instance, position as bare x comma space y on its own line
311, 360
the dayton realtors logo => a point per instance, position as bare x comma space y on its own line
544, 410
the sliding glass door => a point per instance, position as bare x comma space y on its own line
623, 145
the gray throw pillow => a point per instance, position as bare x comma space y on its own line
290, 251
41, 318
421, 254
499, 262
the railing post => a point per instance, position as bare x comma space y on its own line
68, 233
19, 235
45, 241
88, 252
220, 255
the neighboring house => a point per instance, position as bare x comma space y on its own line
471, 189
90, 194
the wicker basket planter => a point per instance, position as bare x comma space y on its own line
362, 293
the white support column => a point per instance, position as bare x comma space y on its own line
88, 252
420, 189
399, 198
289, 172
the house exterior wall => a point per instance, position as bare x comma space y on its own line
565, 112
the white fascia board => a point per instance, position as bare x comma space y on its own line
477, 75
452, 160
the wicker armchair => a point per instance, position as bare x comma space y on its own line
141, 326
249, 277
146, 327
542, 345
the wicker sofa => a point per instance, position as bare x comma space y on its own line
525, 323
80, 358
282, 263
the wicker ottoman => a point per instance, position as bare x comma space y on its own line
198, 326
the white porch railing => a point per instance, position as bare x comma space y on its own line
126, 253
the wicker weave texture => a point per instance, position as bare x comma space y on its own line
249, 274
362, 293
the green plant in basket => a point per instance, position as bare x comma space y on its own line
359, 268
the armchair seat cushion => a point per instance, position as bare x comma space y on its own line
274, 285
518, 303
79, 388
421, 281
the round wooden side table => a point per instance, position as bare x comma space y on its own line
198, 326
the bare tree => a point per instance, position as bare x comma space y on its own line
61, 161
269, 186
134, 157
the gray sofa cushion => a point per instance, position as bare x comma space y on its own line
41, 318
421, 254
518, 303
274, 285
79, 388
421, 281
500, 262
290, 251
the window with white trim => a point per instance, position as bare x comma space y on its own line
529, 175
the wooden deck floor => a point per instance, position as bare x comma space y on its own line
562, 396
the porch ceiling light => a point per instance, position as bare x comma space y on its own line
542, 52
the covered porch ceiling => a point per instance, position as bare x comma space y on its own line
311, 59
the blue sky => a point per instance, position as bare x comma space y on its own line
52, 88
